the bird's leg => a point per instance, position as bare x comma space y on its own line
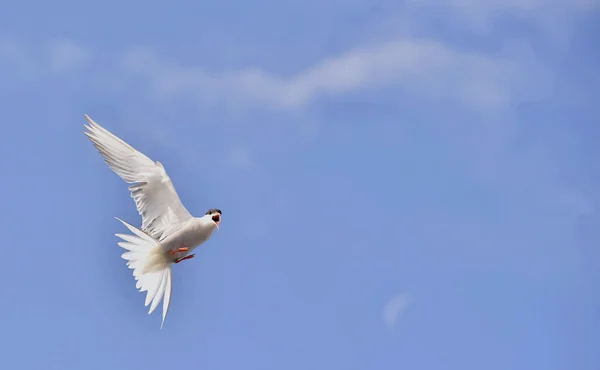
184, 258
182, 249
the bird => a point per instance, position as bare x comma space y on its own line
168, 234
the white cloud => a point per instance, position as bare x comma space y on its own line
66, 55
422, 67
53, 57
394, 308
419, 66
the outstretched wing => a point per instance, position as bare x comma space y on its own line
152, 190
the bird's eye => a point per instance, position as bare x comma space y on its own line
216, 218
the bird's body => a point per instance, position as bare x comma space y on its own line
193, 232
169, 233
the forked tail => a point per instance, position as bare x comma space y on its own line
151, 267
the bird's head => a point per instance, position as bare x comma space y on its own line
215, 216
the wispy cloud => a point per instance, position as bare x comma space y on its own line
394, 308
422, 67
53, 57
66, 55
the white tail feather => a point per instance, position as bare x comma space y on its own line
151, 267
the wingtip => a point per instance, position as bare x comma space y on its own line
89, 128
121, 221
90, 120
125, 223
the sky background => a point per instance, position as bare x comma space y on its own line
404, 185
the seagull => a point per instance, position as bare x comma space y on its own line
169, 233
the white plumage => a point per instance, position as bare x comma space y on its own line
168, 233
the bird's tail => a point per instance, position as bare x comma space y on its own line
151, 267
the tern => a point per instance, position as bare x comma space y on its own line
169, 233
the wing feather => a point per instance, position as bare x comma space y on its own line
152, 190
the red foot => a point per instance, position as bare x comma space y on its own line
184, 258
184, 249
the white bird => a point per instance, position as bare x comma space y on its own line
169, 233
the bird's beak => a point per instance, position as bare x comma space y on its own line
217, 223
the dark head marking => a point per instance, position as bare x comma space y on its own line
213, 210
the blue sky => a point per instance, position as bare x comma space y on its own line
404, 185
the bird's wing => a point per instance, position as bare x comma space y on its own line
152, 190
